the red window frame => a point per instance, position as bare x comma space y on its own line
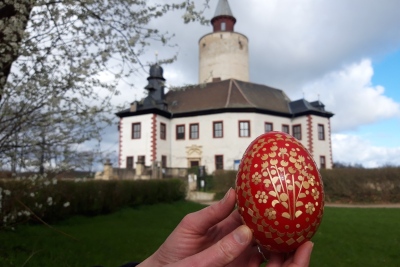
296, 130
287, 127
136, 130
192, 133
219, 162
321, 132
219, 131
163, 131
243, 131
270, 125
178, 134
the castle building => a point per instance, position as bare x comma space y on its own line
212, 123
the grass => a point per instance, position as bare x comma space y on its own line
110, 240
347, 237
358, 237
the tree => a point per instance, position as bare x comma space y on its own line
53, 54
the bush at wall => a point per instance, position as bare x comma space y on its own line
341, 185
362, 185
50, 200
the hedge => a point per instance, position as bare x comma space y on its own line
381, 185
52, 200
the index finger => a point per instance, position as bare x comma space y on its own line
201, 221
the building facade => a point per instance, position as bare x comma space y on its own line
212, 123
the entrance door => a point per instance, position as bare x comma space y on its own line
194, 163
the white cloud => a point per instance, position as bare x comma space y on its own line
292, 42
356, 150
350, 94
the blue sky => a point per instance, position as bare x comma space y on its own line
347, 52
387, 74
385, 133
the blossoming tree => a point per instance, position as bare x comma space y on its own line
52, 55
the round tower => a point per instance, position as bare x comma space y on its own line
223, 54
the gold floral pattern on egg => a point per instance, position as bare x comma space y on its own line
256, 178
315, 193
286, 187
270, 214
310, 208
261, 196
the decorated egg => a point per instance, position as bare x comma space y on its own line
279, 191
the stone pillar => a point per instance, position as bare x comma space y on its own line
156, 170
108, 170
139, 168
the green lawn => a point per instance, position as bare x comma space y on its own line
347, 237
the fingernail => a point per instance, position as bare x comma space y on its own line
242, 234
226, 195
311, 248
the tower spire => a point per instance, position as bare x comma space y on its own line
223, 19
223, 9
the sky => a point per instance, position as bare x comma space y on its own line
344, 53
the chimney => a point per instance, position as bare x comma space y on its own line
133, 106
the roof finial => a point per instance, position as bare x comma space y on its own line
156, 54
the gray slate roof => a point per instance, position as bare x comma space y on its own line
223, 9
228, 96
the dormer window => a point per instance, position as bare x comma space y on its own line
223, 26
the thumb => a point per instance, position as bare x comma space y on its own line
221, 253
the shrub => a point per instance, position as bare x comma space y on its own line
362, 185
223, 180
340, 185
52, 200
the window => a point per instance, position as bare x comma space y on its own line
285, 128
163, 162
136, 130
297, 131
268, 127
322, 162
141, 159
163, 131
223, 26
244, 128
180, 132
129, 162
194, 131
218, 130
219, 162
321, 132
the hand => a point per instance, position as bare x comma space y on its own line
300, 258
213, 236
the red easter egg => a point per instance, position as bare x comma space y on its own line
279, 190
